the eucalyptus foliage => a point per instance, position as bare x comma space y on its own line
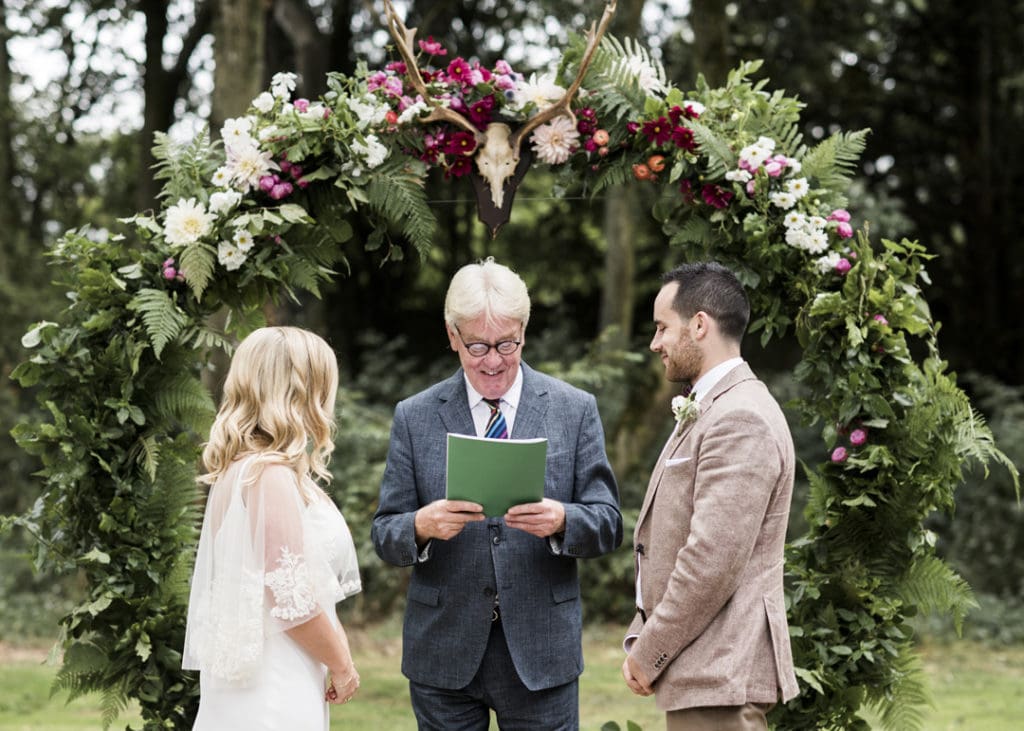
120, 374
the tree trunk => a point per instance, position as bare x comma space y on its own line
8, 210
711, 40
240, 30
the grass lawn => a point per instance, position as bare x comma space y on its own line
974, 687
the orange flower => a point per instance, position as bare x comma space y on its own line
656, 163
641, 171
601, 137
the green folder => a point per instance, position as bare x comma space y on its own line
496, 473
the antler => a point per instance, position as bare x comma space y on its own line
561, 107
404, 39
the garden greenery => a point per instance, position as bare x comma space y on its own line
267, 211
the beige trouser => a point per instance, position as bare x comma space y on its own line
749, 717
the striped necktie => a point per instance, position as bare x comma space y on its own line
496, 427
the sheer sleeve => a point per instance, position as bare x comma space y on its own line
256, 573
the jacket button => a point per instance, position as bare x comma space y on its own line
496, 540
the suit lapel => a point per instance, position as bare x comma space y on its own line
454, 407
737, 375
533, 405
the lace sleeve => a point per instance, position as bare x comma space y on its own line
280, 536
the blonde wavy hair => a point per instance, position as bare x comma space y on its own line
278, 402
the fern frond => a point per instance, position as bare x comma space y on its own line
934, 587
400, 198
903, 710
720, 157
113, 703
196, 264
695, 230
833, 162
161, 316
183, 399
186, 167
614, 80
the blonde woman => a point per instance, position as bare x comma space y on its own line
275, 554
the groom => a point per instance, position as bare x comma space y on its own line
493, 617
710, 637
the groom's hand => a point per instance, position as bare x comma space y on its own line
635, 678
445, 519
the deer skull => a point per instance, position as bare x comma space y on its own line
496, 160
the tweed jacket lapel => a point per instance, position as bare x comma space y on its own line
533, 405
454, 407
737, 375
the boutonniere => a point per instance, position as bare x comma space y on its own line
685, 409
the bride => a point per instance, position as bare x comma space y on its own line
275, 554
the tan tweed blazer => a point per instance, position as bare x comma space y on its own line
709, 549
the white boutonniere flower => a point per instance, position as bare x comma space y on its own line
685, 409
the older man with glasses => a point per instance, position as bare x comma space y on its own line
493, 619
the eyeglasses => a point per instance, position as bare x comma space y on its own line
479, 350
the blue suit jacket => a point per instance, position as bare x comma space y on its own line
451, 593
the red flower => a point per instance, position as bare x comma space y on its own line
480, 112
460, 143
683, 137
716, 196
686, 188
459, 167
658, 131
432, 47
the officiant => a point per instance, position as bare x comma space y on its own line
493, 618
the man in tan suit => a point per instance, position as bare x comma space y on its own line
710, 638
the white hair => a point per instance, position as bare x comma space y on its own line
489, 289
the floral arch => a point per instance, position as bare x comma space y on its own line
265, 211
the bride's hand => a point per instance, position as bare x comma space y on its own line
343, 686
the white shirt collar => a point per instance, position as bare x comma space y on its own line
510, 397
706, 382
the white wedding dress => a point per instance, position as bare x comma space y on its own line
268, 560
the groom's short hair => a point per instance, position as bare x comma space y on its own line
712, 288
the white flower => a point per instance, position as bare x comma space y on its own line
755, 156
221, 177
283, 84
537, 91
230, 256
766, 143
828, 262
264, 102
783, 200
817, 222
793, 164
315, 111
647, 77
794, 219
243, 240
738, 176
187, 221
685, 409
367, 112
554, 142
224, 200
817, 242
412, 111
268, 132
696, 107
797, 237
236, 131
248, 164
798, 187
372, 151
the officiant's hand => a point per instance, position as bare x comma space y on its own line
542, 519
445, 519
342, 687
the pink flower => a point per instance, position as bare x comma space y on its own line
301, 104
858, 437
398, 67
480, 112
281, 190
168, 262
839, 214
844, 230
170, 272
880, 319
432, 47
458, 69
502, 67
267, 183
843, 266
839, 454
